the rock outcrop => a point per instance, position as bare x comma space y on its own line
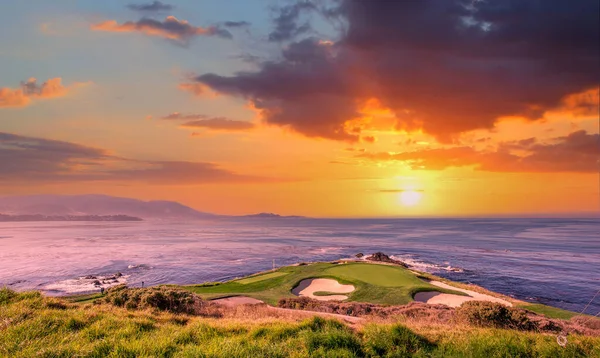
381, 257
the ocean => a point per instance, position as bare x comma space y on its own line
549, 261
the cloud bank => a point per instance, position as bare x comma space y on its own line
443, 66
155, 6
171, 28
212, 123
32, 159
578, 152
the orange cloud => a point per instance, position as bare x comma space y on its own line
368, 139
171, 28
582, 104
576, 153
30, 90
13, 98
198, 89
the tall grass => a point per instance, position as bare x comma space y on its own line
35, 326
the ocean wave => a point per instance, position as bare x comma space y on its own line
140, 266
85, 284
425, 266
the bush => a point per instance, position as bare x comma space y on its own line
492, 314
162, 298
345, 308
6, 295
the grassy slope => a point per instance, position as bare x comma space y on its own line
382, 284
31, 325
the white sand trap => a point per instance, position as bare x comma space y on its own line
308, 288
237, 300
451, 300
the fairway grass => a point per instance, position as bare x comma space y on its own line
374, 283
257, 278
548, 311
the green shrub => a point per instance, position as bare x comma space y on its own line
162, 298
6, 295
492, 314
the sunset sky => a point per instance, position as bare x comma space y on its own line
326, 108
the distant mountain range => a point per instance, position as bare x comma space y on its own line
103, 205
39, 217
269, 216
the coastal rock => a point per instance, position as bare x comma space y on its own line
118, 274
359, 255
381, 257
90, 277
96, 283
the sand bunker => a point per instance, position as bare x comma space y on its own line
237, 300
451, 300
308, 288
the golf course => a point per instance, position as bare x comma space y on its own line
372, 283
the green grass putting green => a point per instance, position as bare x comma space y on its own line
257, 278
374, 283
548, 311
378, 275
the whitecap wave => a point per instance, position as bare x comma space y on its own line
425, 266
140, 266
84, 284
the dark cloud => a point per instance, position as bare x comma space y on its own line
180, 116
171, 28
444, 66
578, 152
214, 123
235, 24
286, 21
155, 6
290, 93
30, 159
219, 123
179, 172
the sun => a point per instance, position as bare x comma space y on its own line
410, 197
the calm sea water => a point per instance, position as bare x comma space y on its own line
551, 261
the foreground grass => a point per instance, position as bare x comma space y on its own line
380, 284
31, 325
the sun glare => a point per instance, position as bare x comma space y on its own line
410, 197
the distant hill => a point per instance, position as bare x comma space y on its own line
38, 217
81, 205
269, 216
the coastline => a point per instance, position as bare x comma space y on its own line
470, 291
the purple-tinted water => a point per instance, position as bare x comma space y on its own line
551, 261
